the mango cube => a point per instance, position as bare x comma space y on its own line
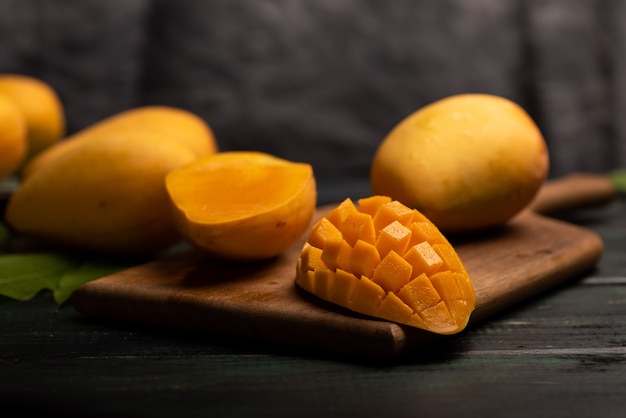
393, 237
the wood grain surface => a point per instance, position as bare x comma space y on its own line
529, 255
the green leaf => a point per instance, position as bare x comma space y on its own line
86, 271
22, 276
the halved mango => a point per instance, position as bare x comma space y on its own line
403, 270
243, 205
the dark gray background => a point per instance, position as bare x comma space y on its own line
323, 81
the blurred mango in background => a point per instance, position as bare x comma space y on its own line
32, 118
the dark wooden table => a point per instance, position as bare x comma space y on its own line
562, 354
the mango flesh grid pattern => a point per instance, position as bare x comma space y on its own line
388, 261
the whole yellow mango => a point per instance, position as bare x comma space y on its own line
42, 109
467, 162
175, 124
105, 195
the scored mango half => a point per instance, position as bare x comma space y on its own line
388, 261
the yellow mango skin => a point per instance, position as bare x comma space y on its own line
13, 141
42, 109
178, 125
105, 195
467, 162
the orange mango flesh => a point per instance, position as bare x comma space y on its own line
243, 192
388, 261
243, 205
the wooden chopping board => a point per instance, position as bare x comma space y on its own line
260, 301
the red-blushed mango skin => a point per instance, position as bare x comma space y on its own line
467, 162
